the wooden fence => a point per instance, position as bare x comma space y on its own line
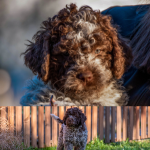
112, 123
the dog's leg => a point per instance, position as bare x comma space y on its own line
80, 147
60, 145
68, 146
60, 148
56, 118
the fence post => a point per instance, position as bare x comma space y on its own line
41, 126
61, 114
137, 122
47, 126
107, 124
18, 119
113, 124
125, 110
118, 123
148, 121
34, 126
81, 108
2, 119
131, 123
11, 118
88, 122
26, 122
94, 122
54, 127
101, 121
143, 122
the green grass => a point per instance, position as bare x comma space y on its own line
126, 145
100, 145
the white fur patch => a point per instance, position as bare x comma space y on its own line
111, 95
86, 29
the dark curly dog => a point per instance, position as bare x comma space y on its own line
73, 131
81, 54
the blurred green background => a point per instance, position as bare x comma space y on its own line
19, 21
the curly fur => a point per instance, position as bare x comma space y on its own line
73, 131
73, 43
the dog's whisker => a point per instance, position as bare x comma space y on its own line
59, 80
59, 90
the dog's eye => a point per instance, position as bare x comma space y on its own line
97, 51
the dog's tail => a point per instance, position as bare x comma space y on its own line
57, 118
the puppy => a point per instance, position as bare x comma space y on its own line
73, 131
80, 54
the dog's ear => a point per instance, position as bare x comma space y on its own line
37, 55
83, 119
46, 59
121, 51
122, 56
66, 115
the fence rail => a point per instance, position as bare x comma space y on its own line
112, 123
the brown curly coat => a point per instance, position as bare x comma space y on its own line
75, 42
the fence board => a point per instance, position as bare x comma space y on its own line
94, 122
34, 126
3, 112
47, 126
82, 108
134, 123
41, 126
143, 122
137, 122
113, 109
148, 121
11, 117
118, 123
61, 114
88, 122
3, 118
107, 124
131, 123
101, 119
54, 127
19, 120
26, 123
125, 110
67, 107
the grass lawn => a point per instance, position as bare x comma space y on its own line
100, 145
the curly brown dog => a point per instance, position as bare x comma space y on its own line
81, 54
73, 131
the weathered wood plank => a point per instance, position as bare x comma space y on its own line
26, 123
88, 122
118, 123
34, 126
41, 126
47, 126
94, 122
107, 125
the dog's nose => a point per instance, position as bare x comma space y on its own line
85, 76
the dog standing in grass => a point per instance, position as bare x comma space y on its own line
73, 132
